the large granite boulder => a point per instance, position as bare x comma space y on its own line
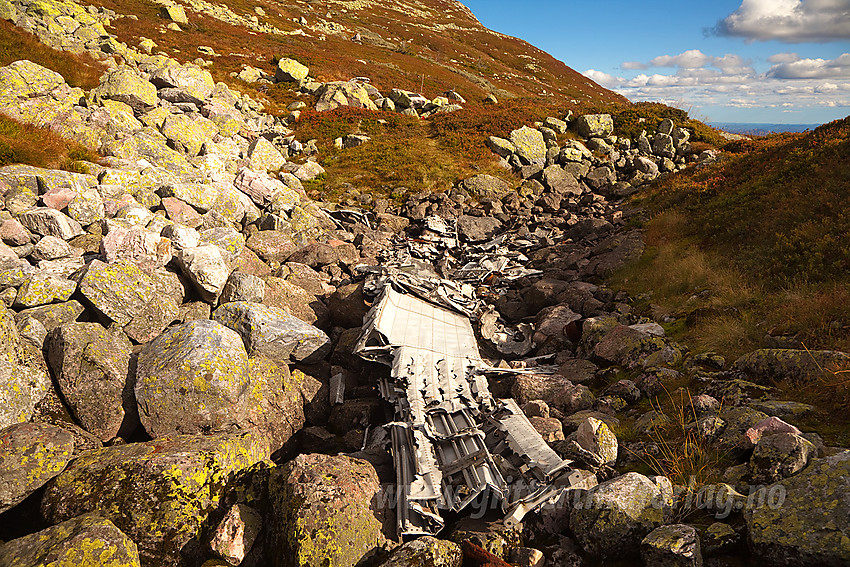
613, 518
193, 379
595, 125
529, 144
324, 512
30, 455
88, 540
769, 366
290, 70
674, 545
804, 520
126, 85
92, 370
160, 493
273, 333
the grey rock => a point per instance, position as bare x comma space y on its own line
243, 287
84, 539
206, 269
273, 333
529, 144
477, 229
594, 125
616, 515
50, 222
805, 519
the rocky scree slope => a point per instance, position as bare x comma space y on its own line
175, 320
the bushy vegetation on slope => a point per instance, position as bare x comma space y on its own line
754, 251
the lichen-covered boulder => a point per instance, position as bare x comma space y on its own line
501, 146
126, 85
426, 551
188, 83
324, 512
193, 379
594, 436
626, 346
30, 455
674, 545
616, 515
290, 70
273, 333
805, 519
24, 380
188, 133
92, 370
769, 366
275, 402
241, 286
88, 540
43, 289
529, 144
120, 290
160, 493
263, 156
595, 125
343, 93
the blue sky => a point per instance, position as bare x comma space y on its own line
779, 61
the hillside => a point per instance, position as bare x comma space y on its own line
431, 46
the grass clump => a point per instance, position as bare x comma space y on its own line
39, 147
79, 70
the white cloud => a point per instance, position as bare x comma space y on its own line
603, 78
783, 58
633, 65
691, 59
699, 80
813, 68
790, 21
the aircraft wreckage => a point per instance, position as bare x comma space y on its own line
453, 443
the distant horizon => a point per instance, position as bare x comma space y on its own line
725, 61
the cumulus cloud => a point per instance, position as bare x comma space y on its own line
602, 78
813, 68
790, 21
696, 79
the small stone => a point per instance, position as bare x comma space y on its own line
675, 545
236, 533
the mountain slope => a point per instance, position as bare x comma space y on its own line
431, 46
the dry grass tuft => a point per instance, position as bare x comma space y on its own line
40, 147
79, 70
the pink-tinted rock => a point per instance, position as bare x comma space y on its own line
257, 185
58, 198
769, 426
138, 246
181, 213
13, 233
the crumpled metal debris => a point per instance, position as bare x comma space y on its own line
453, 443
